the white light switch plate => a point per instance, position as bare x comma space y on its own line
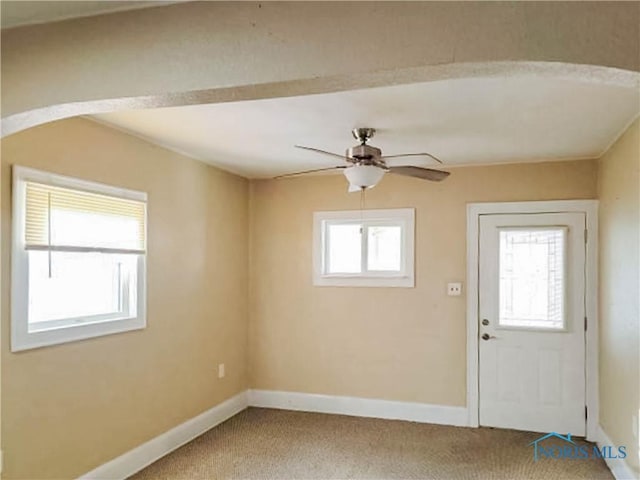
454, 289
221, 370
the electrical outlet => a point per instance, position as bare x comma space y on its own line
454, 289
221, 370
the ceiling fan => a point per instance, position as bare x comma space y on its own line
366, 165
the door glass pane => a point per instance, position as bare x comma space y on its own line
384, 248
344, 248
532, 278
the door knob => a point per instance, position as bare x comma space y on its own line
486, 336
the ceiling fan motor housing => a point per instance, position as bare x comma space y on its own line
365, 154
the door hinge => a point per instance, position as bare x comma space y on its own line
586, 235
585, 324
586, 413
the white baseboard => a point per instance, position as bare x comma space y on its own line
620, 469
360, 407
135, 460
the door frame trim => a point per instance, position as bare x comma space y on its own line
474, 212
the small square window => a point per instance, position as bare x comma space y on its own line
78, 259
370, 248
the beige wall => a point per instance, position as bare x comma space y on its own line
388, 343
69, 408
221, 46
619, 193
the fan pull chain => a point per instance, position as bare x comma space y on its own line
362, 206
49, 232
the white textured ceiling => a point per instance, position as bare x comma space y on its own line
21, 12
464, 122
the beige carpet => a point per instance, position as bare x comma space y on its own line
277, 444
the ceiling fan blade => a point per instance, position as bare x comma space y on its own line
339, 167
317, 150
418, 172
413, 155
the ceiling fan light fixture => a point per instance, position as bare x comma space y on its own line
363, 176
365, 164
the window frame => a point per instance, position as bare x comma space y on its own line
78, 328
403, 217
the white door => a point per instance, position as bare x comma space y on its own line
532, 322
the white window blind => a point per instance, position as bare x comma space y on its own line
62, 219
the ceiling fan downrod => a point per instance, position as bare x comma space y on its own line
363, 134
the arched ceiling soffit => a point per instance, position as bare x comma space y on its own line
586, 73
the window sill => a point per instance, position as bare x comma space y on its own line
373, 281
23, 340
49, 326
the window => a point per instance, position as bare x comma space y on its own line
78, 259
532, 278
369, 248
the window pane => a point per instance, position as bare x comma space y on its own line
344, 252
69, 227
384, 248
532, 278
79, 285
